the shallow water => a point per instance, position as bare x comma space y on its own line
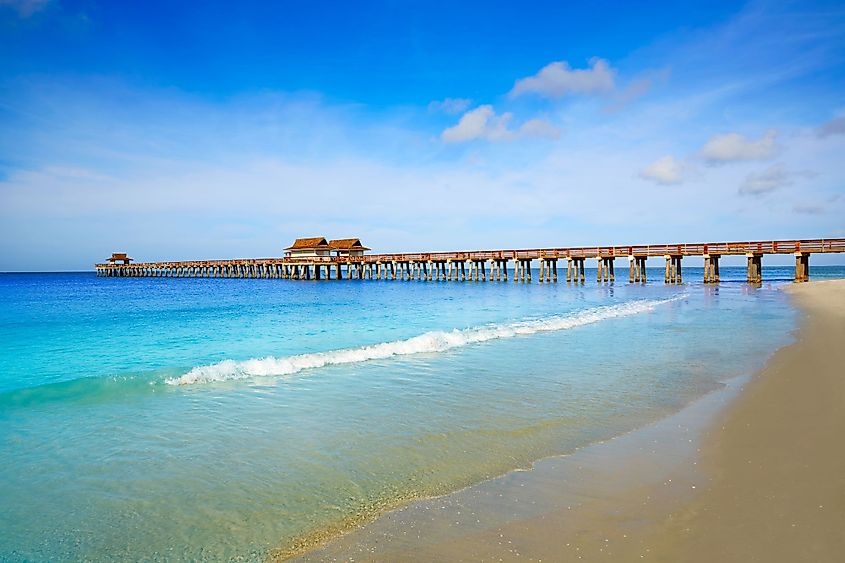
204, 418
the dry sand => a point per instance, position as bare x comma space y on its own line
761, 479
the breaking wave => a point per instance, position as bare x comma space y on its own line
429, 342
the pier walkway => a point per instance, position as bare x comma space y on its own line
486, 265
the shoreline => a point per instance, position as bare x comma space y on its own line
777, 466
641, 495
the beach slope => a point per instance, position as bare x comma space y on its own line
777, 458
755, 472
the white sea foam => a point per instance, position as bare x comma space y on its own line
429, 342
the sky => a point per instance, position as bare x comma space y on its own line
194, 130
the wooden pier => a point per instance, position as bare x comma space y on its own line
481, 265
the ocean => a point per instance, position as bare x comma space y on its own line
191, 419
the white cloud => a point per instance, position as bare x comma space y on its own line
559, 79
666, 170
733, 147
483, 123
539, 128
771, 179
835, 126
766, 181
450, 105
480, 123
25, 8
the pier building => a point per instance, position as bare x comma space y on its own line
121, 257
347, 248
309, 248
316, 259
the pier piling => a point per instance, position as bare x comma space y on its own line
802, 266
711, 268
755, 267
673, 269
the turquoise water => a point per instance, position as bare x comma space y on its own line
207, 419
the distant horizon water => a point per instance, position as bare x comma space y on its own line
205, 418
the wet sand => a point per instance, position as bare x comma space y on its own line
754, 472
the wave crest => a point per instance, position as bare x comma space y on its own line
429, 342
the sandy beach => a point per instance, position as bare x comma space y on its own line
776, 460
753, 472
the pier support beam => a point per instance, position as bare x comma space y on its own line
711, 268
802, 266
522, 270
755, 267
548, 269
605, 271
673, 268
478, 272
575, 269
637, 269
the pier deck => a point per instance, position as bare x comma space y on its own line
473, 265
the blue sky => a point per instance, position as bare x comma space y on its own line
205, 130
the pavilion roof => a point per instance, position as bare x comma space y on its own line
309, 243
118, 256
347, 244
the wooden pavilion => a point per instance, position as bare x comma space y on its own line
347, 247
309, 248
119, 257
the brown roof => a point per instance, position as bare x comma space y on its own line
347, 244
119, 256
308, 243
